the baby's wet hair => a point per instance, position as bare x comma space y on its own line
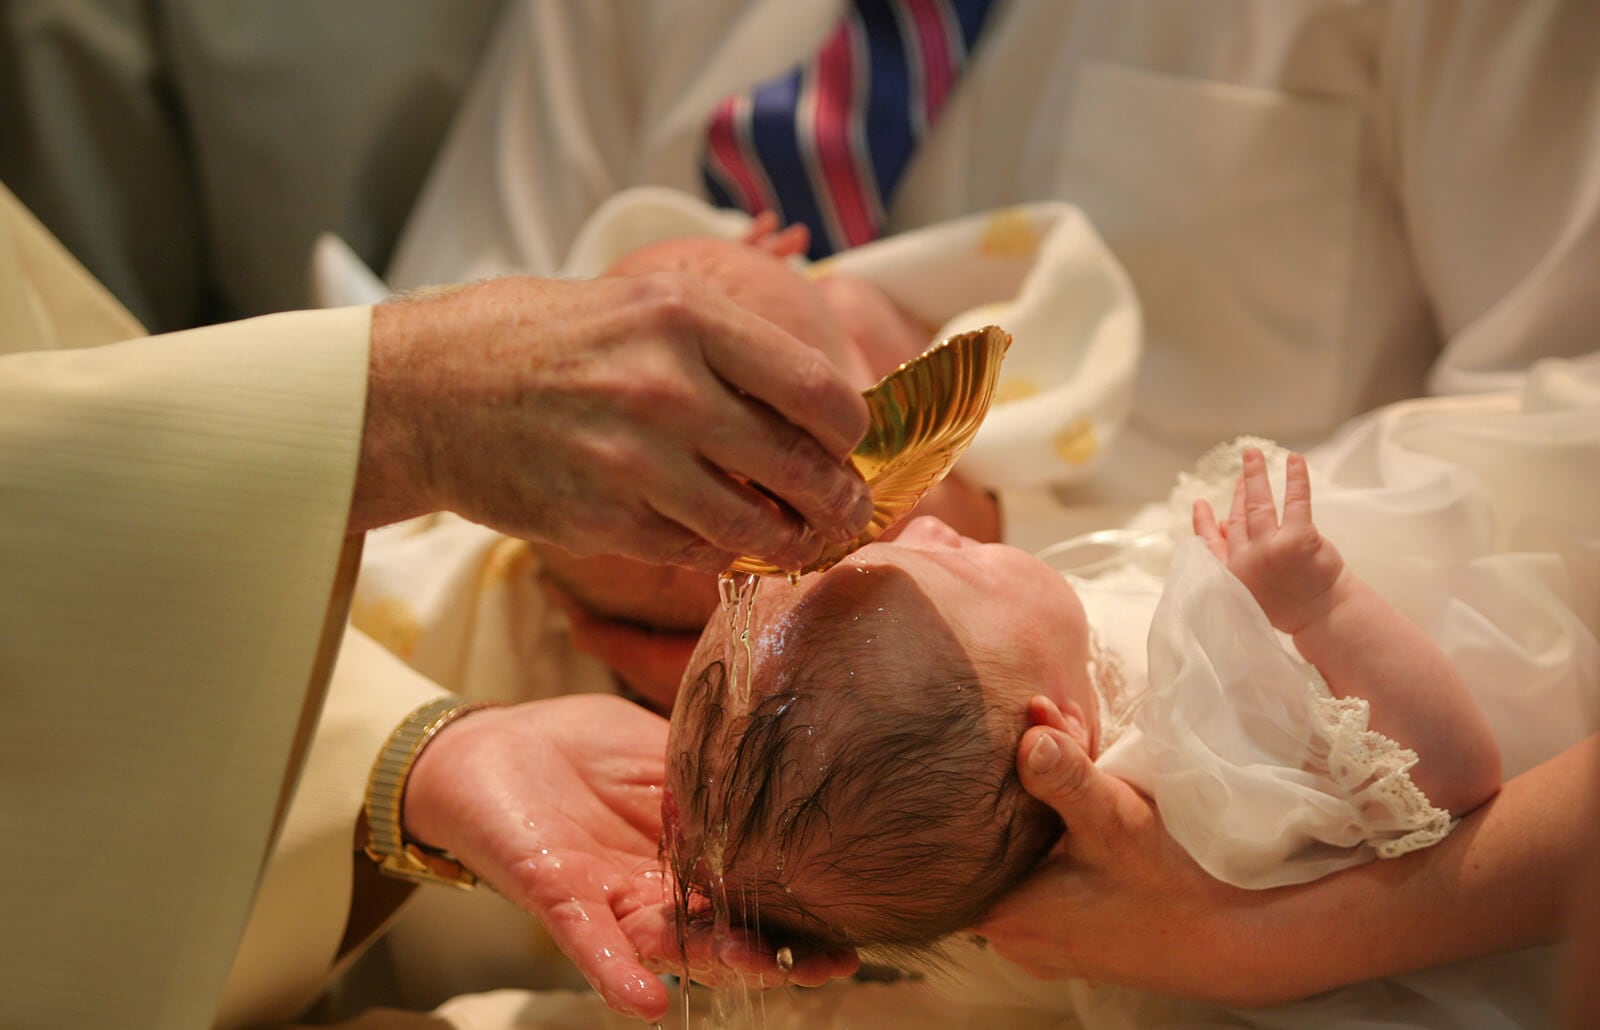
861, 799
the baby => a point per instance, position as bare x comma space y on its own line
849, 778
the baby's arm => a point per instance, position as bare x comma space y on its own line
1361, 644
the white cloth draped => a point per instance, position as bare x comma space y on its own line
1262, 775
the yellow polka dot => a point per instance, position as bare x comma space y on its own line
1014, 389
508, 560
1010, 233
389, 621
1075, 444
821, 269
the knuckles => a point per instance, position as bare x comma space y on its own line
750, 527
669, 301
800, 469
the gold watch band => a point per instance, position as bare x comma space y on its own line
386, 790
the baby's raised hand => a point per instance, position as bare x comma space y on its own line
1290, 569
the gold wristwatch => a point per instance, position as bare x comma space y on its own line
386, 790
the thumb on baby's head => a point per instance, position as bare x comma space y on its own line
1055, 766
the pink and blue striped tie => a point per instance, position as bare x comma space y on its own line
825, 143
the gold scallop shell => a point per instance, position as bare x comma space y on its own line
924, 414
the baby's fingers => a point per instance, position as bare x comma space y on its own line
1260, 510
1206, 528
762, 225
764, 234
1297, 493
1237, 533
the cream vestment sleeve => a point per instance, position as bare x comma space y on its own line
172, 511
291, 944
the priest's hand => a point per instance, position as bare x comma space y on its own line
556, 804
643, 416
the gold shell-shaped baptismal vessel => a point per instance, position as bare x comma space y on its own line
924, 414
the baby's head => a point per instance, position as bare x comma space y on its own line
860, 787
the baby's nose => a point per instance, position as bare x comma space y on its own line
928, 531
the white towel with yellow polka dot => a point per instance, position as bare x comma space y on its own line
1038, 271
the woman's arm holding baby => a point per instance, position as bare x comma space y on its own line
1119, 901
1362, 645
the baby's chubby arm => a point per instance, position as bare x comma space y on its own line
1362, 645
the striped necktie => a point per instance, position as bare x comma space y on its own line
825, 143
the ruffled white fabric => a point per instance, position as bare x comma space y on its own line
1376, 773
1262, 775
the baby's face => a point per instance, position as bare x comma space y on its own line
1018, 620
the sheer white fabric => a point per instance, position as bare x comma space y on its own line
1262, 775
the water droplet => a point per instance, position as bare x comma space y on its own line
785, 959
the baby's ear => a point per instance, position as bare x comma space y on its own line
1068, 718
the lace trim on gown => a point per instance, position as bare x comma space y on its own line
1118, 702
1374, 771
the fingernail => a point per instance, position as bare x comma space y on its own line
1045, 754
861, 514
807, 550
